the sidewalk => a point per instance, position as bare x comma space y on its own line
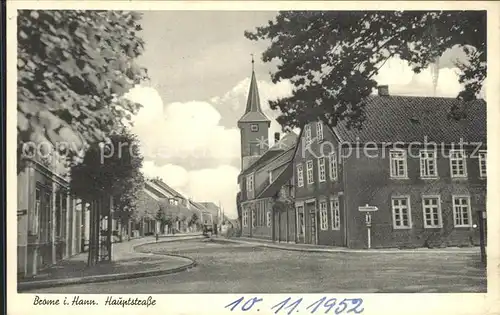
126, 264
331, 249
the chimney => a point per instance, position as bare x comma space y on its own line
383, 90
276, 137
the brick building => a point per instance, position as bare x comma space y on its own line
424, 171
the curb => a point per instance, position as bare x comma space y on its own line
32, 285
355, 251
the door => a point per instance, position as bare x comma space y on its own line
311, 228
301, 227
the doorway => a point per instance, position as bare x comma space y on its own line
312, 231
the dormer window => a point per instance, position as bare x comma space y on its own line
254, 127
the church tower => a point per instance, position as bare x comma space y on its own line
254, 127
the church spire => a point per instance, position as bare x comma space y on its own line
253, 111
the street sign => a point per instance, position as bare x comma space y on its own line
367, 208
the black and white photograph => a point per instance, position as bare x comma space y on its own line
276, 151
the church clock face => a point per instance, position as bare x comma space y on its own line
254, 127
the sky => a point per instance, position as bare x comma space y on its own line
199, 65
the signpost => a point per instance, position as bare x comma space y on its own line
368, 221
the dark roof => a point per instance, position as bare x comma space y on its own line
253, 111
409, 119
259, 161
288, 142
278, 161
273, 188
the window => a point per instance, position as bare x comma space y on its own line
432, 211
300, 175
172, 201
428, 163
401, 217
254, 127
323, 215
461, 211
458, 168
250, 186
308, 137
321, 169
333, 165
482, 164
310, 172
245, 218
319, 130
270, 177
335, 209
398, 164
268, 218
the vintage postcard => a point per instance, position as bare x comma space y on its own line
253, 157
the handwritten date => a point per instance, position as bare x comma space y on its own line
291, 306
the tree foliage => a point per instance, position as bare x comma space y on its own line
73, 67
331, 57
108, 170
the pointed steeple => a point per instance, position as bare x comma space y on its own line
253, 111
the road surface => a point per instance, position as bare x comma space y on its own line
235, 268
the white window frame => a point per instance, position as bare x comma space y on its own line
455, 214
250, 186
463, 158
307, 135
319, 130
425, 162
332, 159
482, 159
321, 170
403, 159
394, 209
323, 214
310, 172
335, 213
439, 212
300, 175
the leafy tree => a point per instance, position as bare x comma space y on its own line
73, 67
193, 220
331, 57
108, 170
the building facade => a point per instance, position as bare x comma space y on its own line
49, 220
266, 175
425, 172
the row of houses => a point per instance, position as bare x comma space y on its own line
420, 173
52, 225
